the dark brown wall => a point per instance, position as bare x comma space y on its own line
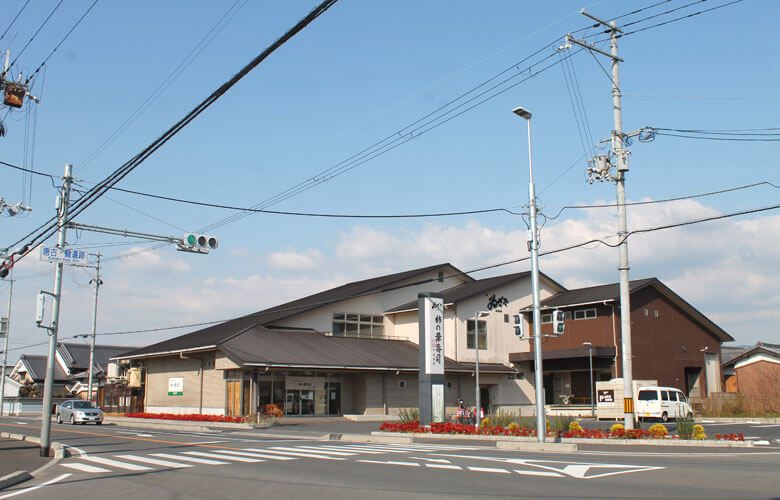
661, 347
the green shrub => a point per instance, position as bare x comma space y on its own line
504, 418
658, 431
560, 423
685, 427
406, 415
698, 433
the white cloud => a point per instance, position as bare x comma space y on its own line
141, 260
295, 260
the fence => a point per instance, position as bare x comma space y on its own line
733, 404
27, 406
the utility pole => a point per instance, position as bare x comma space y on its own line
97, 282
602, 171
5, 345
48, 386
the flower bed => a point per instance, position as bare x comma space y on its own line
187, 418
576, 431
730, 437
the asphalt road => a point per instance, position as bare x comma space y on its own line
115, 462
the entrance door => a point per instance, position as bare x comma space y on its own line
712, 370
233, 397
549, 389
334, 398
484, 398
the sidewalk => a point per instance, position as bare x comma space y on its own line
17, 459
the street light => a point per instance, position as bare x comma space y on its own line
590, 363
541, 425
477, 412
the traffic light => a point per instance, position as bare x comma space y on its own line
198, 243
518, 320
558, 322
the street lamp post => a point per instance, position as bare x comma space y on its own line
477, 407
590, 364
541, 425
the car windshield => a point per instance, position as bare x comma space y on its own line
83, 404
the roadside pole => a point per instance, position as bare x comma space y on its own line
48, 386
98, 282
5, 344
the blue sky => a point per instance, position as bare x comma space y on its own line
360, 73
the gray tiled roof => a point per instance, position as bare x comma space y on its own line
76, 356
36, 368
215, 334
759, 348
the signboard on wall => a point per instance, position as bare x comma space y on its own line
606, 397
176, 386
437, 403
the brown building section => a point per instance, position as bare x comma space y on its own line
760, 378
671, 341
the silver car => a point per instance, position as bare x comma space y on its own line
77, 411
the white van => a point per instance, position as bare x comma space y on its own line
662, 403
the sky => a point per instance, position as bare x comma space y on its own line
411, 102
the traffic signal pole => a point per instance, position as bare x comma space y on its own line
48, 386
5, 344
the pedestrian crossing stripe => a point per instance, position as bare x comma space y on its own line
116, 463
279, 450
204, 461
154, 461
85, 468
256, 455
220, 456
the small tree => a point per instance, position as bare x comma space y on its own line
30, 390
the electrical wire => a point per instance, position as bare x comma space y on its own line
167, 82
35, 34
14, 19
101, 188
678, 19
32, 75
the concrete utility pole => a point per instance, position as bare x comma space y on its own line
97, 282
603, 172
5, 344
48, 386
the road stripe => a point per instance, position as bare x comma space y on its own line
77, 450
763, 442
85, 467
154, 461
222, 457
284, 451
204, 461
325, 451
434, 460
372, 449
368, 451
767, 425
488, 469
58, 478
256, 455
538, 473
391, 462
753, 422
116, 463
443, 466
214, 442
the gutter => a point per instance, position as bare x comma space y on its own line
163, 353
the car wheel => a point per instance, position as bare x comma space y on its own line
59, 418
690, 414
72, 420
99, 423
665, 417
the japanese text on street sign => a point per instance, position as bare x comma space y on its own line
434, 333
65, 256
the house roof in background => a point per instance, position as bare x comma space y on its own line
772, 350
76, 356
212, 335
464, 291
35, 366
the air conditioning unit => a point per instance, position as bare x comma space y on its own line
113, 371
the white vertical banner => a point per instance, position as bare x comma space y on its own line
434, 335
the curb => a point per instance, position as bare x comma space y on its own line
535, 446
579, 441
373, 438
736, 420
181, 424
21, 476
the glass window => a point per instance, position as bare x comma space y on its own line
547, 318
358, 325
672, 395
681, 397
647, 396
585, 313
482, 334
665, 395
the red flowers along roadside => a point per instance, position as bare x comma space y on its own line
187, 418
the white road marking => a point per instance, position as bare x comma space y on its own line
538, 473
154, 461
707, 421
752, 422
488, 469
763, 442
135, 433
213, 442
283, 451
444, 466
350, 448
752, 437
22, 423
325, 451
767, 425
204, 461
58, 478
115, 463
435, 460
85, 468
256, 455
222, 457
391, 462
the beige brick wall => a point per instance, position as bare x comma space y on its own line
160, 370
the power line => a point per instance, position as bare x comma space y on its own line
734, 139
678, 18
30, 77
101, 188
36, 33
14, 19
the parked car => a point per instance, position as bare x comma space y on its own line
662, 403
77, 411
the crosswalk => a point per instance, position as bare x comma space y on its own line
210, 455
